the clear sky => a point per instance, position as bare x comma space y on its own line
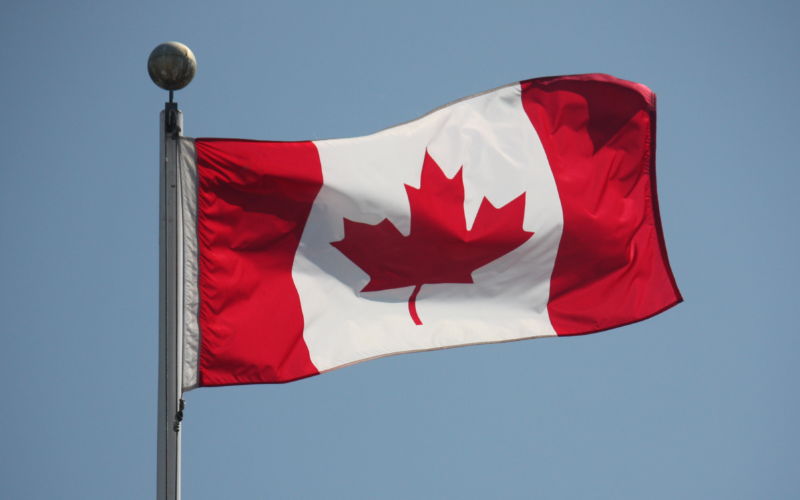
700, 402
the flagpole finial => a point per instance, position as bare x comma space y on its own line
171, 66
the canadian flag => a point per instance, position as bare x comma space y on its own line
526, 211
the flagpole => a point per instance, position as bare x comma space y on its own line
171, 66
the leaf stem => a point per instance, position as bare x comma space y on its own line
412, 305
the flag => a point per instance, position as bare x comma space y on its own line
526, 211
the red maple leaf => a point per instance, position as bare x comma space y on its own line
438, 248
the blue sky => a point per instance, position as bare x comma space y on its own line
700, 402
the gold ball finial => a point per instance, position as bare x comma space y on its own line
171, 65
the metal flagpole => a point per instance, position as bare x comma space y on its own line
171, 66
